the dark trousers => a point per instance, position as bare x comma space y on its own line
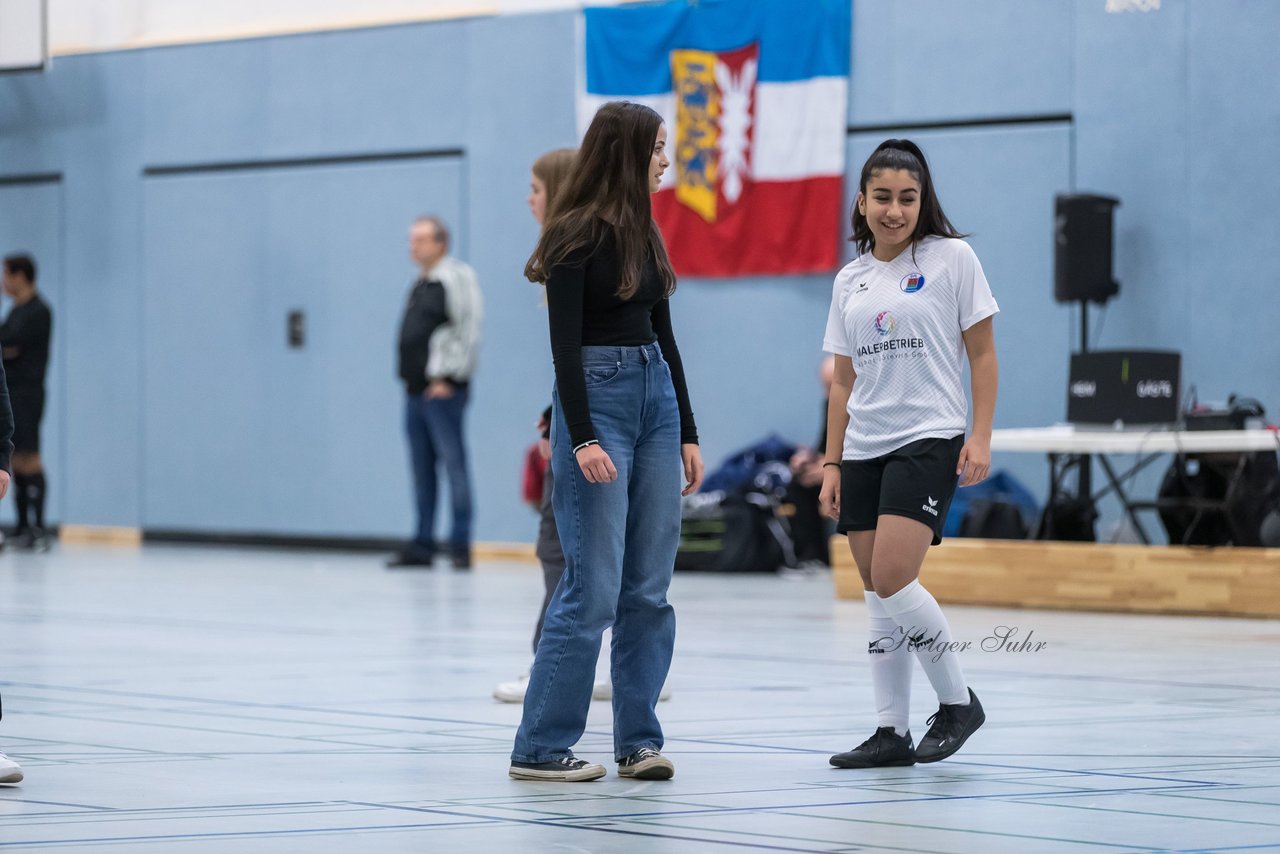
810, 531
435, 432
549, 552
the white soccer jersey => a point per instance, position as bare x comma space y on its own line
901, 322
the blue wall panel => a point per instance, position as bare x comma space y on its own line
937, 60
103, 320
1232, 184
242, 432
377, 90
83, 119
516, 115
1132, 143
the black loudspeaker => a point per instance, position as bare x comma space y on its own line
1082, 228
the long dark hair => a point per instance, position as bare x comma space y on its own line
902, 154
608, 187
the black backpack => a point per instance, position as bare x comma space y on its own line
994, 519
733, 532
1207, 477
1069, 518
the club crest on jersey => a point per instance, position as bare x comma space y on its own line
886, 323
912, 283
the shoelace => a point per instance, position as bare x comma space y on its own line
944, 720
571, 762
643, 754
881, 734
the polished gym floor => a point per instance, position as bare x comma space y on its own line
211, 700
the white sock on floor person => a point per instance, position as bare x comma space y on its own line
916, 611
890, 663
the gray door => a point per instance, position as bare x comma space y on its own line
242, 432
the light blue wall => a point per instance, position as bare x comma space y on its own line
177, 404
286, 432
83, 120
939, 60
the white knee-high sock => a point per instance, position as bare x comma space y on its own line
916, 611
890, 662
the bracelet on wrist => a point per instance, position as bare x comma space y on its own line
585, 444
837, 465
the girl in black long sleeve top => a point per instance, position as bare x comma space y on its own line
585, 310
622, 429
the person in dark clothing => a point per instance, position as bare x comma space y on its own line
810, 532
439, 340
10, 771
24, 337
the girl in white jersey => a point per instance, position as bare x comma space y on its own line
903, 315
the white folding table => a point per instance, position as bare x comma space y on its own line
1066, 445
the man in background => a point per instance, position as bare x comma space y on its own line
24, 337
439, 341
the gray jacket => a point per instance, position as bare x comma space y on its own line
455, 345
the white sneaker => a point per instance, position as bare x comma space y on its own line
567, 769
512, 692
10, 771
647, 764
603, 690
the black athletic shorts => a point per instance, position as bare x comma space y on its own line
916, 481
28, 410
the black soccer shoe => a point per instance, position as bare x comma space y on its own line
883, 750
949, 728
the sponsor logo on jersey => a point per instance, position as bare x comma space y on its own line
886, 324
912, 283
861, 288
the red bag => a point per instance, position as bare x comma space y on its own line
535, 472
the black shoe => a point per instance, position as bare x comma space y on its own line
461, 561
949, 728
884, 749
647, 764
411, 559
566, 769
23, 538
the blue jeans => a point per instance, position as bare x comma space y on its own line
619, 542
434, 429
